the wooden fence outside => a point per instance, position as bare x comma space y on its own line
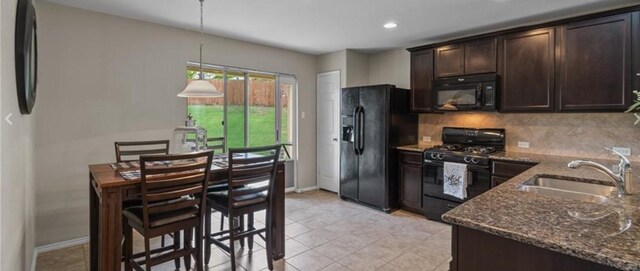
261, 93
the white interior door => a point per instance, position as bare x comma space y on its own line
328, 146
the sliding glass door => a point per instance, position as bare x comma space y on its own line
256, 110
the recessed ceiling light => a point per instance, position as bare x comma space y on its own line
390, 25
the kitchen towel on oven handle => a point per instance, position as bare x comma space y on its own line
455, 180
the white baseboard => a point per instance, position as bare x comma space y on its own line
306, 189
289, 190
56, 246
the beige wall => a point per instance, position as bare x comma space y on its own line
17, 198
106, 78
390, 67
357, 69
334, 61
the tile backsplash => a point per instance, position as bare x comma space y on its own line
568, 134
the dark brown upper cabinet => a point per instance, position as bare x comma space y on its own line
594, 65
450, 60
421, 78
466, 58
480, 56
527, 69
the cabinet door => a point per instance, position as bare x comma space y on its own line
421, 79
527, 67
480, 56
450, 60
411, 186
595, 65
495, 180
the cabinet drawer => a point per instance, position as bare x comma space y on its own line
495, 180
410, 157
510, 169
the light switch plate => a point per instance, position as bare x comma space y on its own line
426, 138
523, 144
623, 150
302, 115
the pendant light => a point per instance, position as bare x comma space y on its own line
200, 87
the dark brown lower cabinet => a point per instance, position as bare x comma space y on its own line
503, 170
410, 177
477, 250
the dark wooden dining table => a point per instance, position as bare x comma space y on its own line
108, 190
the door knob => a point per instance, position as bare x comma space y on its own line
335, 139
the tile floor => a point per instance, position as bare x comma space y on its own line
323, 233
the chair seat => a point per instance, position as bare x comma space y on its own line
134, 214
217, 188
220, 200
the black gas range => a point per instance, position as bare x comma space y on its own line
465, 146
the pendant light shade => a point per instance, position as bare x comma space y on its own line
200, 88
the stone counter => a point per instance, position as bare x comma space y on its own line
545, 221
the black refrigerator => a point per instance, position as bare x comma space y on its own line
374, 120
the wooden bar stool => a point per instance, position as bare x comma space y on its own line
130, 151
172, 202
251, 180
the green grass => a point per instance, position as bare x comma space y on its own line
261, 123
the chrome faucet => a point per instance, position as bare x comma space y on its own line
621, 179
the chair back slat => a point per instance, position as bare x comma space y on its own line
251, 180
162, 208
216, 143
177, 185
176, 180
185, 166
262, 168
173, 194
127, 151
252, 171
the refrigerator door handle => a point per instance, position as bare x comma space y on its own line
356, 130
361, 131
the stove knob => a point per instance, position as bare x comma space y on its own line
474, 160
467, 159
440, 156
434, 156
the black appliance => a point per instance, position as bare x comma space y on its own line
375, 119
459, 145
466, 93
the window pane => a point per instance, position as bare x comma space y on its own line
208, 112
262, 110
287, 88
235, 109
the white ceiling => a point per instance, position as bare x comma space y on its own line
321, 26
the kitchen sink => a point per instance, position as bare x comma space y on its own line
568, 189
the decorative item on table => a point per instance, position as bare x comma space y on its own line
189, 139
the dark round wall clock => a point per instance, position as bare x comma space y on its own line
26, 50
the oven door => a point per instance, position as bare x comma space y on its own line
433, 179
454, 97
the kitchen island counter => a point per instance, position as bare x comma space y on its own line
544, 222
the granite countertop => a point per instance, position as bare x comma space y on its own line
544, 221
415, 147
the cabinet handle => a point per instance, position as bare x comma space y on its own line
638, 74
462, 79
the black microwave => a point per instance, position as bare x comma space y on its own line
466, 93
